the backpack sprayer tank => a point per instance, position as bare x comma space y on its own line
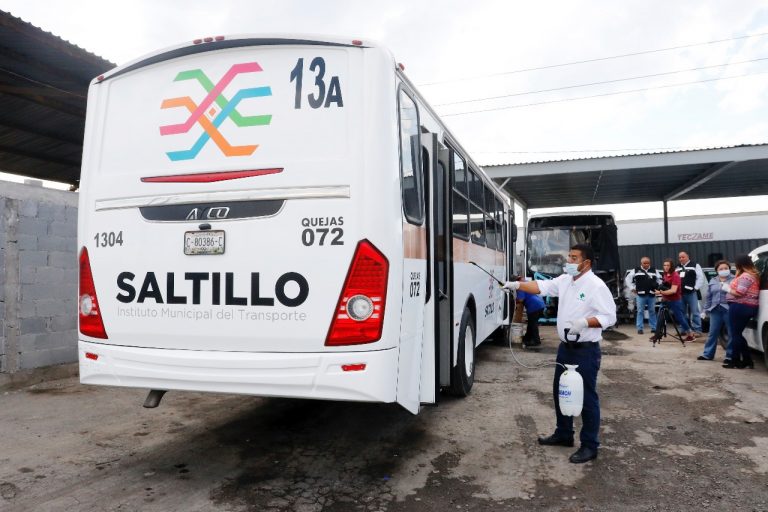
570, 391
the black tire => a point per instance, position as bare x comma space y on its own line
463, 374
765, 345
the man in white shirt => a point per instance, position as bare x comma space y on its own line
585, 308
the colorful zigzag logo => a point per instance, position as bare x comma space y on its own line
210, 126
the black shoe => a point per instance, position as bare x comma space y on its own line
532, 346
554, 440
639, 331
730, 364
584, 454
702, 358
727, 361
745, 364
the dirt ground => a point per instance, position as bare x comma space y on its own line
677, 434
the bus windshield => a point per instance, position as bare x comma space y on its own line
548, 250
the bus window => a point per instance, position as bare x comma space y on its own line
490, 221
410, 168
476, 217
499, 215
460, 212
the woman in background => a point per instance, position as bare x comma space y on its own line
673, 298
716, 308
742, 305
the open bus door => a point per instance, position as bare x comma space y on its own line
438, 312
415, 340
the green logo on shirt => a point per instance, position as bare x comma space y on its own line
582, 296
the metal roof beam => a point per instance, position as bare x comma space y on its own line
703, 178
58, 136
38, 155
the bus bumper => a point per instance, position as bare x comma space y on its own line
297, 375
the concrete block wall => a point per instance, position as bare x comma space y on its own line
38, 277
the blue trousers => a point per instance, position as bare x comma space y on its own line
691, 304
738, 316
642, 301
717, 317
587, 356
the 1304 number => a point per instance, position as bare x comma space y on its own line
108, 239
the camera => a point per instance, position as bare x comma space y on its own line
664, 287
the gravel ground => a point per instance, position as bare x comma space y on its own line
677, 434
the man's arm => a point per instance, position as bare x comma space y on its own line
531, 287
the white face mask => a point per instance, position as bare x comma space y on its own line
723, 273
572, 269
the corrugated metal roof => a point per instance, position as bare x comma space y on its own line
704, 173
633, 153
43, 87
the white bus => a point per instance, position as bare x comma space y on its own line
282, 216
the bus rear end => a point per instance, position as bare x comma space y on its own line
230, 226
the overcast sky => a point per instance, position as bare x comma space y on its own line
459, 51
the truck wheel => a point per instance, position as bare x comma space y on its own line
463, 374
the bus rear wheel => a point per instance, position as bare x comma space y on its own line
463, 374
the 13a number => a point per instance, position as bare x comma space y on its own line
108, 239
319, 98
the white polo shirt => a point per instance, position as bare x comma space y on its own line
586, 297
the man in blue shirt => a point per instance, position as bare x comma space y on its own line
534, 308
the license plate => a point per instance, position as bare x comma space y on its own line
203, 242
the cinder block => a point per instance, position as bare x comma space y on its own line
70, 213
33, 226
47, 341
66, 304
33, 258
27, 309
26, 242
51, 211
34, 325
57, 243
55, 276
64, 323
28, 275
35, 291
40, 358
62, 259
28, 208
63, 228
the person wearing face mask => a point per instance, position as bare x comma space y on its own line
643, 281
716, 308
692, 278
585, 308
671, 297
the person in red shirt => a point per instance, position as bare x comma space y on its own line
673, 299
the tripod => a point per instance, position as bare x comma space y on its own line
664, 316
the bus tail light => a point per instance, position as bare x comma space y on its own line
359, 314
91, 323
